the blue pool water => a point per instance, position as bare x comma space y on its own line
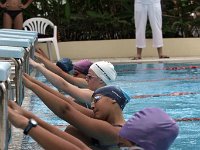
157, 81
163, 79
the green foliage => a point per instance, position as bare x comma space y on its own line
86, 19
182, 21
113, 19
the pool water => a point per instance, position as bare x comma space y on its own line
150, 85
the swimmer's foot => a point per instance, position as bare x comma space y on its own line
136, 58
164, 56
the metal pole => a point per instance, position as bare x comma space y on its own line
3, 117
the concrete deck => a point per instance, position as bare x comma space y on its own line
147, 60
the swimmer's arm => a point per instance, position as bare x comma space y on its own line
48, 139
50, 76
48, 64
54, 103
27, 3
95, 128
55, 69
80, 82
36, 86
92, 127
59, 82
82, 95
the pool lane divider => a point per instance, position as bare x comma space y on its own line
186, 119
135, 81
168, 94
166, 68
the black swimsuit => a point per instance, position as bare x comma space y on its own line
12, 13
104, 147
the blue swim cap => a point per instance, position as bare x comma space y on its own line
116, 93
65, 64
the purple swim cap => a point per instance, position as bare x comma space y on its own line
151, 129
83, 66
115, 93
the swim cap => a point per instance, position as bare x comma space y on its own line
65, 64
105, 71
83, 66
116, 93
151, 129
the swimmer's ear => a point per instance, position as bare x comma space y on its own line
114, 101
101, 81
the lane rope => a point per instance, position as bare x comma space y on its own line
165, 68
168, 94
186, 119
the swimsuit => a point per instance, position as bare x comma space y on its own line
12, 13
105, 147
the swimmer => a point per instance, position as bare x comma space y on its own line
64, 66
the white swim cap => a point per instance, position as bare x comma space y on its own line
105, 71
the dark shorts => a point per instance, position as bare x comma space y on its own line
13, 13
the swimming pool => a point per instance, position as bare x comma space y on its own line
158, 85
150, 85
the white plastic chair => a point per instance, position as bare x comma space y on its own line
40, 25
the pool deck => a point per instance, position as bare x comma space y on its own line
147, 60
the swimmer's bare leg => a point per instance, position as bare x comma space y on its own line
7, 21
18, 21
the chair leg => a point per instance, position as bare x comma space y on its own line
56, 49
49, 50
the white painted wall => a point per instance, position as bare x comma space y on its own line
174, 47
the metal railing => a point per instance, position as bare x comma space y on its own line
4, 96
16, 46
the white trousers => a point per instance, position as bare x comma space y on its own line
154, 13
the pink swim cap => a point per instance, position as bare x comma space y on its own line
83, 66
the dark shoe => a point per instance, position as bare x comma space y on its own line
161, 57
136, 58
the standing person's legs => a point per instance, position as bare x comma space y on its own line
18, 21
139, 54
140, 25
155, 18
7, 21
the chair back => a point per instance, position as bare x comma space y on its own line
38, 24
42, 26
